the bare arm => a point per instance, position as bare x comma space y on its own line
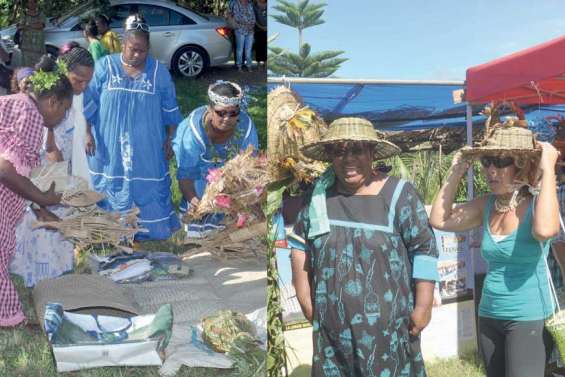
422, 313
301, 281
188, 191
464, 217
168, 147
22, 186
546, 216
53, 153
4, 56
89, 144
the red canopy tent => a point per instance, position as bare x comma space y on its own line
535, 75
532, 76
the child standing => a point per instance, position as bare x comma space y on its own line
22, 118
109, 39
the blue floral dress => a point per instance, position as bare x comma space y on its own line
363, 274
129, 116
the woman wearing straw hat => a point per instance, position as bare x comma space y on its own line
517, 228
361, 248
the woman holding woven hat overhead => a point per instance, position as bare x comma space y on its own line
23, 117
517, 228
132, 114
205, 140
363, 259
41, 253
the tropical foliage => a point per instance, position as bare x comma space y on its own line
305, 63
11, 10
427, 171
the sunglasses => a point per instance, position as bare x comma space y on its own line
227, 114
355, 150
138, 26
498, 162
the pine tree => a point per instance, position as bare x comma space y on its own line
304, 64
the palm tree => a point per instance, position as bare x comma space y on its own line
299, 16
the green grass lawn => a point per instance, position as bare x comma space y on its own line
25, 351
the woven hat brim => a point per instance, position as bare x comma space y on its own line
486, 150
317, 150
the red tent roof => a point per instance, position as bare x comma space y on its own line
531, 76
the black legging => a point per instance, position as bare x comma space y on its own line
514, 348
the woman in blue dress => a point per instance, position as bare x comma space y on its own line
363, 260
205, 140
132, 114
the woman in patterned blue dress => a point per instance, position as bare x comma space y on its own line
363, 259
205, 140
132, 112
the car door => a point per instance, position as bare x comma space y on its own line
163, 36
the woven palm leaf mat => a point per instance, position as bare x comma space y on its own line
212, 286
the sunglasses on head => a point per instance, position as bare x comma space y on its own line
138, 26
498, 162
353, 149
227, 114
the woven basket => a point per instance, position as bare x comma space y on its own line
556, 327
290, 125
511, 137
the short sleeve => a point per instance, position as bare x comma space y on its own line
187, 149
170, 112
297, 236
21, 142
417, 234
91, 99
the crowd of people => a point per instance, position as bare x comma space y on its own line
110, 112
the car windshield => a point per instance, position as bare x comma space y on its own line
82, 8
204, 16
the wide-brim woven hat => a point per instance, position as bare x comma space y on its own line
350, 129
509, 138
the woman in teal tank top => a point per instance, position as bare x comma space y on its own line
517, 229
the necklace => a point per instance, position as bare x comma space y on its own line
504, 205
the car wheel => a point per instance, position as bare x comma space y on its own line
190, 61
53, 51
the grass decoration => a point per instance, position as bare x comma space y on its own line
44, 81
248, 358
238, 189
93, 226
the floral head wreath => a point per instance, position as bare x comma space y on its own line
217, 99
43, 81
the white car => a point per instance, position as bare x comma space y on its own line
185, 41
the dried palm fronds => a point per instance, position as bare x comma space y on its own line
233, 243
80, 198
237, 189
291, 124
95, 226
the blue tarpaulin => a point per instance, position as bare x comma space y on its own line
392, 105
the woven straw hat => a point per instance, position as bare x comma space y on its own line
511, 137
350, 129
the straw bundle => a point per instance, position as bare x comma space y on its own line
290, 126
233, 244
95, 226
237, 190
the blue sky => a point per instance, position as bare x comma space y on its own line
425, 40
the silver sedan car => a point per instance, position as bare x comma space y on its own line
185, 41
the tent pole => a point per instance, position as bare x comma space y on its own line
470, 193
